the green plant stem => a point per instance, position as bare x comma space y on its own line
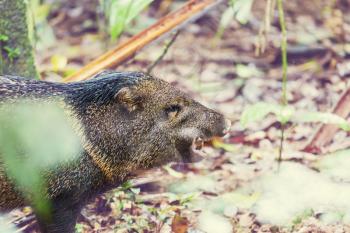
284, 99
280, 151
284, 52
165, 51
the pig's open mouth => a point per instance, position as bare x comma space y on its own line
190, 152
190, 149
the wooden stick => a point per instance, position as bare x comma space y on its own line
325, 133
127, 49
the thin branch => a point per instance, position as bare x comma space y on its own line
165, 51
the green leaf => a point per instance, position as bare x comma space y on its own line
255, 113
259, 111
322, 117
126, 186
58, 62
226, 19
302, 216
135, 190
122, 12
3, 38
172, 172
193, 184
188, 197
239, 10
12, 53
79, 228
248, 71
225, 146
284, 114
242, 10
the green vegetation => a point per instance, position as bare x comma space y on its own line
120, 13
27, 137
285, 114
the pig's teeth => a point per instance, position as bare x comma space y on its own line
198, 143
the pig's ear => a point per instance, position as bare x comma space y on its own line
128, 98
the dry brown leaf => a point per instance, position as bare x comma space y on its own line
179, 224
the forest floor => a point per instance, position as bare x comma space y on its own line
239, 186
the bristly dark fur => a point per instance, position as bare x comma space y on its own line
137, 130
98, 90
102, 88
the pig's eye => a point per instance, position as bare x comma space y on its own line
173, 110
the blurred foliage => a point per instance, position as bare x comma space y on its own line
79, 228
239, 10
41, 32
119, 13
194, 184
210, 222
248, 71
304, 215
219, 144
219, 204
284, 114
34, 138
11, 52
58, 62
